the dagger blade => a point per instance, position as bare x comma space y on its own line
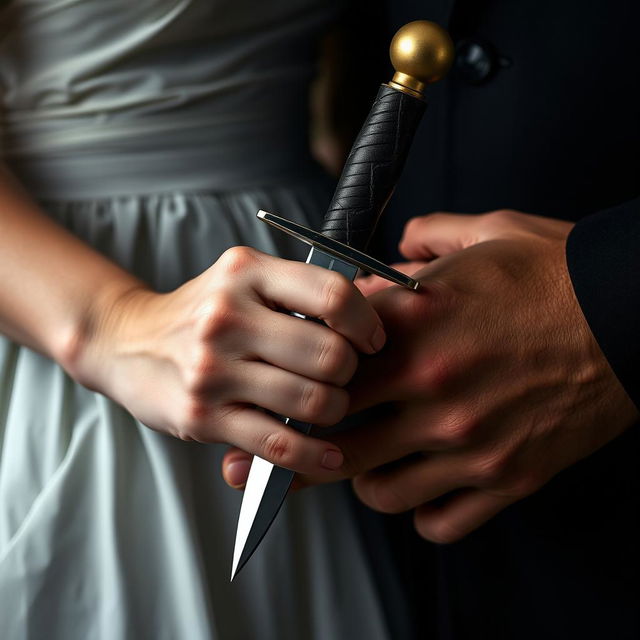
268, 485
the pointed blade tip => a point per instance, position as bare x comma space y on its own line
237, 563
260, 504
234, 571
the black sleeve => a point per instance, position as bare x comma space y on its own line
603, 257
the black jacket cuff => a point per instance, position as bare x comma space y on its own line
603, 257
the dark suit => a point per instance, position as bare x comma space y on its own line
553, 129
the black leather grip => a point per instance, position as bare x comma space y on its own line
373, 167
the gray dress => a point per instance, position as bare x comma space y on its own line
154, 130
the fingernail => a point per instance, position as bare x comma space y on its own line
379, 338
332, 459
237, 472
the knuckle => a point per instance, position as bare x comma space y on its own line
336, 294
423, 220
221, 315
336, 359
414, 226
237, 260
489, 468
203, 373
310, 401
278, 448
322, 404
497, 220
458, 428
435, 375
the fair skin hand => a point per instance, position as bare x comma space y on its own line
495, 379
196, 362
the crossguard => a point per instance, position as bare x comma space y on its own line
339, 250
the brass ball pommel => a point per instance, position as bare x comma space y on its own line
421, 53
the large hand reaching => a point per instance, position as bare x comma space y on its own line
496, 381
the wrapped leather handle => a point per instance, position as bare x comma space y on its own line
373, 167
421, 53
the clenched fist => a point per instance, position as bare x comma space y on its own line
204, 361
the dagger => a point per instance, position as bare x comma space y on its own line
421, 53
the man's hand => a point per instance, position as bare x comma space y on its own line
496, 381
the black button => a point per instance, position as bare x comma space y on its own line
476, 60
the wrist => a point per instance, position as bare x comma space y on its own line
86, 350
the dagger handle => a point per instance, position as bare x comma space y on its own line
421, 52
373, 167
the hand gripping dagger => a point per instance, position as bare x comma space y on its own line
421, 53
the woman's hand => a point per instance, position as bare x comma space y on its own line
194, 363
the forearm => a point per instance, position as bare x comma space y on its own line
54, 288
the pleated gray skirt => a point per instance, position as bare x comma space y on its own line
109, 530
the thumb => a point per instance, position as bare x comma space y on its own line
439, 234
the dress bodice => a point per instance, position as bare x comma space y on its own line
103, 76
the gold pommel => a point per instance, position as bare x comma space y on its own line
421, 53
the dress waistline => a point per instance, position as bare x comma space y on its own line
156, 156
